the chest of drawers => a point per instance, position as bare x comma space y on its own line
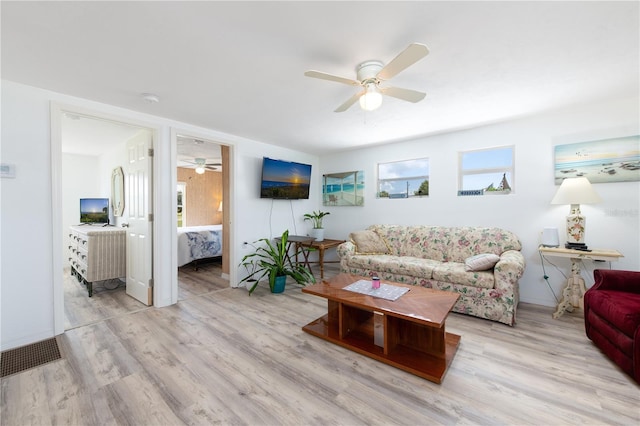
97, 253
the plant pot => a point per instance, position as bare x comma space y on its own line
317, 233
278, 284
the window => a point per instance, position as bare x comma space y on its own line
486, 171
403, 179
182, 214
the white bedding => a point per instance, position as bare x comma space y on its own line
199, 242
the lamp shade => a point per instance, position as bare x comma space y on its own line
576, 191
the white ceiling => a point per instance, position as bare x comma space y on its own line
237, 67
87, 135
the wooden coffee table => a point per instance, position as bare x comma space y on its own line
408, 333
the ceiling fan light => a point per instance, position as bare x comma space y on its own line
372, 99
200, 170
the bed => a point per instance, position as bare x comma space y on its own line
199, 242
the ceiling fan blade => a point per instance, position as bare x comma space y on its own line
324, 76
404, 94
405, 59
352, 100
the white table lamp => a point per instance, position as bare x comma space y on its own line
576, 191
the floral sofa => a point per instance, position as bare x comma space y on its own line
482, 264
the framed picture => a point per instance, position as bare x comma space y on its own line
343, 189
606, 160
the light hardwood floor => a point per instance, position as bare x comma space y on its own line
224, 357
108, 302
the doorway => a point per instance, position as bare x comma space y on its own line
165, 277
202, 203
91, 148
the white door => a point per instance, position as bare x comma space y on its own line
139, 232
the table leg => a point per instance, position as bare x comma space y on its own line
305, 254
573, 292
321, 261
296, 248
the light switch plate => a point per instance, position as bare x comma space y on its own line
7, 170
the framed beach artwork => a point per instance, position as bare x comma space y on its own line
343, 189
606, 160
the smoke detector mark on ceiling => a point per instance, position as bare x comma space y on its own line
150, 98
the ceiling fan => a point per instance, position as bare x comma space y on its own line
371, 74
201, 164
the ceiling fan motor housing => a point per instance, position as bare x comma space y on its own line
368, 71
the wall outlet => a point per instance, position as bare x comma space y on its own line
622, 212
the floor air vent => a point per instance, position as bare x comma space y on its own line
20, 359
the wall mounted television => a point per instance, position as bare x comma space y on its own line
284, 180
94, 210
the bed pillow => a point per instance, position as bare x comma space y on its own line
481, 262
368, 242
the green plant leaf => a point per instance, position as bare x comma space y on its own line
271, 260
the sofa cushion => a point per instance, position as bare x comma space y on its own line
446, 244
621, 309
454, 272
394, 236
368, 242
481, 262
395, 265
468, 241
426, 242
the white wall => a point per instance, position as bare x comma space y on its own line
614, 224
25, 223
79, 180
29, 268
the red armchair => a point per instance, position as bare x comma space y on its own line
612, 317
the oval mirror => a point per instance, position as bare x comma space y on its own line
117, 191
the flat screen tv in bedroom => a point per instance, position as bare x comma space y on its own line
284, 180
94, 210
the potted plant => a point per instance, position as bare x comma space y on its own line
316, 217
271, 260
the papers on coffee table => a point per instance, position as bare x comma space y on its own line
386, 291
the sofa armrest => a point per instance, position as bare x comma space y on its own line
509, 269
608, 279
346, 249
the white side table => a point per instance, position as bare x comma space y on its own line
573, 292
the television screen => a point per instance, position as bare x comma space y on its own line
284, 180
94, 210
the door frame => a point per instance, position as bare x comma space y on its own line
56, 111
229, 201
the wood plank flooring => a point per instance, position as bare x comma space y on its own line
224, 357
82, 310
